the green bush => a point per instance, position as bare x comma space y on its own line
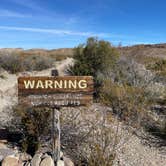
93, 58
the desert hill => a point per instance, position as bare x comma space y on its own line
142, 50
61, 51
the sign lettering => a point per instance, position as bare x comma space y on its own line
55, 91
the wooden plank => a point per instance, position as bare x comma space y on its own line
55, 91
58, 102
51, 85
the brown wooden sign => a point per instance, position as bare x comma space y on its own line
55, 91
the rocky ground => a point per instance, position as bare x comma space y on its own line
130, 151
135, 153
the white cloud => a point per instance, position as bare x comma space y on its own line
9, 13
57, 31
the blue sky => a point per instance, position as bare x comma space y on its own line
67, 23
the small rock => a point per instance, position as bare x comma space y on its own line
3, 145
24, 157
47, 161
27, 164
10, 161
4, 141
36, 160
44, 156
68, 161
1, 158
6, 152
61, 154
60, 163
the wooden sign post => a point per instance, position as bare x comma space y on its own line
56, 136
55, 92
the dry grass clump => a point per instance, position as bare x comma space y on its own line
33, 124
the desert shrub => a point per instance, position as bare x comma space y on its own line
93, 58
158, 128
34, 126
37, 62
16, 63
157, 135
88, 138
11, 62
127, 102
146, 60
127, 89
86, 135
132, 92
128, 71
60, 57
158, 66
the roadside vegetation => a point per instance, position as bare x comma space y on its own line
29, 60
